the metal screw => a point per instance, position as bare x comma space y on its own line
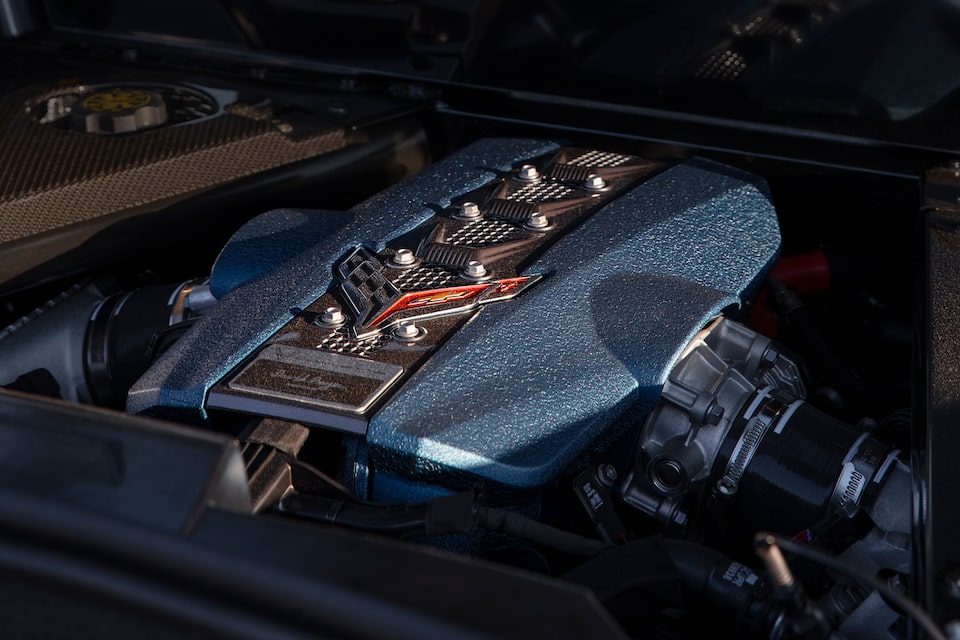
407, 330
606, 474
475, 270
332, 316
404, 258
538, 222
528, 173
594, 182
469, 211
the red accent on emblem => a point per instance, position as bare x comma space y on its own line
421, 299
434, 297
508, 285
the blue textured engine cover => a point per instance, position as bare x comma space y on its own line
256, 308
528, 385
525, 388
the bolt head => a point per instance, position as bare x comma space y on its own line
538, 221
529, 173
332, 316
726, 487
404, 258
408, 330
769, 356
475, 269
469, 210
594, 182
607, 474
713, 415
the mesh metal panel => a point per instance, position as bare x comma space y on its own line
600, 160
426, 278
723, 65
541, 192
340, 341
765, 25
484, 233
52, 177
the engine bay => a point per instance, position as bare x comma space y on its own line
679, 377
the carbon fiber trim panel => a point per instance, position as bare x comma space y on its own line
52, 177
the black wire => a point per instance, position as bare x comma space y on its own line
900, 601
488, 518
535, 531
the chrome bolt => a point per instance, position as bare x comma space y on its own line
407, 330
404, 258
538, 221
594, 182
475, 269
469, 211
528, 173
332, 316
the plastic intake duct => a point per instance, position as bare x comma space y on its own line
733, 432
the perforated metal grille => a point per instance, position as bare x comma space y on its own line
766, 26
600, 160
723, 65
541, 192
340, 341
483, 233
52, 177
426, 278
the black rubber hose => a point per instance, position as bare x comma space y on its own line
653, 574
458, 513
534, 531
797, 317
398, 520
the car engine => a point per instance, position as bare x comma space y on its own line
625, 366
